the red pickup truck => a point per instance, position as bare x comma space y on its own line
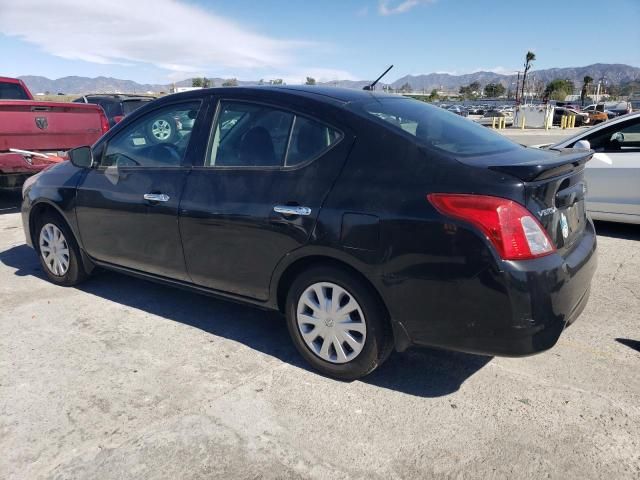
34, 135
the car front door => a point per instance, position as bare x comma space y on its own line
257, 196
613, 175
127, 207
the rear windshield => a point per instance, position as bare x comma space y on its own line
12, 91
437, 127
129, 106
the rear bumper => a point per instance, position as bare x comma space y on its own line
531, 303
14, 169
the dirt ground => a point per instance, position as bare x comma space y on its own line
121, 378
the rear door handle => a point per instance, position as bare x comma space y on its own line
292, 210
156, 197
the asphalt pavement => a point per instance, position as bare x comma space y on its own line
122, 378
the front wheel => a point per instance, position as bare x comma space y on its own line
337, 323
58, 252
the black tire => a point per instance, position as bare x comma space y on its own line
75, 273
378, 341
167, 121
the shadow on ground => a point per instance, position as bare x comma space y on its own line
423, 373
9, 202
634, 344
624, 231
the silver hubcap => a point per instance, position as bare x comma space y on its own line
331, 322
161, 129
54, 249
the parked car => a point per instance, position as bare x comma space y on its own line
613, 176
599, 113
458, 110
116, 105
371, 221
581, 118
596, 117
488, 118
617, 108
35, 134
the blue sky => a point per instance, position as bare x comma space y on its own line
157, 41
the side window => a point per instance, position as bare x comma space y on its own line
617, 138
158, 139
250, 135
308, 139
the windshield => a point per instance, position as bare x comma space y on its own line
436, 127
129, 106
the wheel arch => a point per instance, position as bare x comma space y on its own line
297, 266
40, 208
398, 334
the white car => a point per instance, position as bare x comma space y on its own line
613, 175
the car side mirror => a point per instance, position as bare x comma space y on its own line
582, 145
81, 157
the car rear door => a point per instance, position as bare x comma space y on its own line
127, 207
257, 195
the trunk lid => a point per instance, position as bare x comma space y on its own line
554, 187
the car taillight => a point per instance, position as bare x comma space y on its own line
513, 231
118, 118
104, 122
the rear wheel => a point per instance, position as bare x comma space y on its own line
58, 251
337, 323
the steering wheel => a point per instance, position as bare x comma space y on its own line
166, 153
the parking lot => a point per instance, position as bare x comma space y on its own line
122, 378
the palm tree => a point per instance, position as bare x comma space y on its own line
530, 57
585, 84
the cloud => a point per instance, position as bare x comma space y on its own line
169, 34
391, 7
296, 76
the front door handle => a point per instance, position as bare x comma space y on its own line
292, 210
156, 197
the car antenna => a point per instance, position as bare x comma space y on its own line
372, 86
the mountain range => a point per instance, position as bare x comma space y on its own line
612, 73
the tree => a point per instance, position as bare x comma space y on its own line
406, 88
196, 82
529, 57
276, 81
494, 90
310, 81
231, 82
470, 91
433, 96
206, 83
559, 88
585, 86
261, 81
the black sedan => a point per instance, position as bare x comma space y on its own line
371, 221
